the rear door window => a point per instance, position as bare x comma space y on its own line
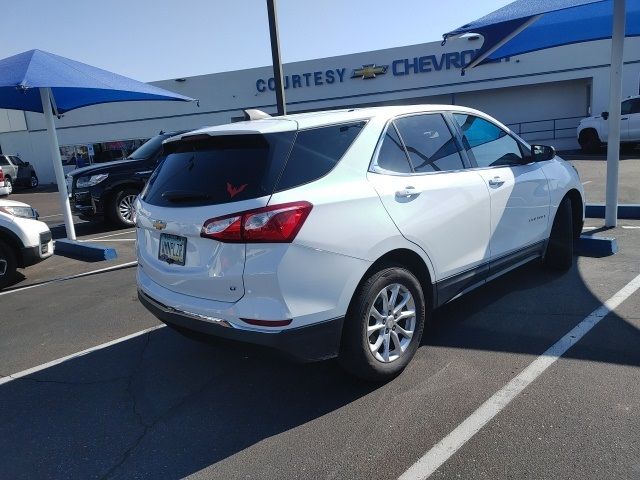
429, 143
211, 170
316, 151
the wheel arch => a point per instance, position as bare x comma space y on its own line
413, 262
11, 239
577, 211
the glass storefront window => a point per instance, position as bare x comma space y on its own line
78, 156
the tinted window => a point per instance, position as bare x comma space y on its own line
17, 161
208, 170
392, 156
3, 160
149, 148
487, 143
625, 108
316, 151
429, 143
634, 107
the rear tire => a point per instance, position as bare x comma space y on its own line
380, 337
559, 254
120, 209
589, 141
8, 264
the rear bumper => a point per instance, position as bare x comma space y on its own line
318, 341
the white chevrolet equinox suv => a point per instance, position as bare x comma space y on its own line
336, 233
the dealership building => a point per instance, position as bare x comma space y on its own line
540, 95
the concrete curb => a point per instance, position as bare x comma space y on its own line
625, 210
92, 252
589, 246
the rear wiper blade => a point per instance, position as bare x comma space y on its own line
185, 196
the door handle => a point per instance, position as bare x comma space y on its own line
496, 181
407, 192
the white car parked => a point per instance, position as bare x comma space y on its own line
336, 233
593, 131
24, 240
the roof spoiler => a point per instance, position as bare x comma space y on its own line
253, 114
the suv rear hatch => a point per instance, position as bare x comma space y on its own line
205, 176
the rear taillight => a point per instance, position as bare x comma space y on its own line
1, 176
272, 224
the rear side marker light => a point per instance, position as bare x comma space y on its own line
272, 224
267, 323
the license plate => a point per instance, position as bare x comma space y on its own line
45, 248
172, 248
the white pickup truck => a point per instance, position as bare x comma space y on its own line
593, 131
24, 240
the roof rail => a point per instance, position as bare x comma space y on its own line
253, 114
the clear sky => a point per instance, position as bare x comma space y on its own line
155, 40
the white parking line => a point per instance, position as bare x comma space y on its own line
29, 371
630, 227
70, 277
112, 235
110, 240
588, 181
443, 450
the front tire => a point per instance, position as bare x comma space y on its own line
559, 254
121, 207
34, 182
8, 264
384, 325
9, 184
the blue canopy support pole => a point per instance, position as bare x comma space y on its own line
45, 97
615, 93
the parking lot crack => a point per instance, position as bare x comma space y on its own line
136, 413
147, 427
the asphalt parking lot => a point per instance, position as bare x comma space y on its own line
151, 404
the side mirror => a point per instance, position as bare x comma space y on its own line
541, 153
605, 115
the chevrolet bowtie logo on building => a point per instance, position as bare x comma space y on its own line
369, 71
159, 224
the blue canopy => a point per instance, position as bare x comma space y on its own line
529, 25
73, 84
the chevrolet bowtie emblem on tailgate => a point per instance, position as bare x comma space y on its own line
159, 224
369, 71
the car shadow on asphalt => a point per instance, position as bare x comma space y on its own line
169, 406
527, 311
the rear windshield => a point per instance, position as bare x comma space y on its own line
215, 170
209, 170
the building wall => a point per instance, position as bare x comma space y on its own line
545, 85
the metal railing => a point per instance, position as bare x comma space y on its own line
563, 127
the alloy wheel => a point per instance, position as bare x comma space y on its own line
391, 323
126, 208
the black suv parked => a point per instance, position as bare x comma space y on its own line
109, 190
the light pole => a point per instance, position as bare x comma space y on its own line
275, 55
